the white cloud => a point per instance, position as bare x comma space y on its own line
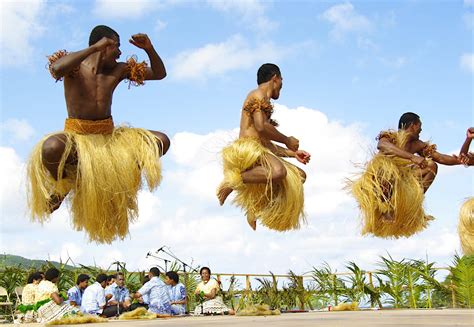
16, 130
215, 59
468, 19
345, 19
116, 9
251, 11
24, 18
184, 214
160, 25
467, 62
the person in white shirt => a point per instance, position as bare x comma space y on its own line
93, 299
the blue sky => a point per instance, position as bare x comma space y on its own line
355, 66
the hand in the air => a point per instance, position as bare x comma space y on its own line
104, 43
141, 41
470, 133
302, 156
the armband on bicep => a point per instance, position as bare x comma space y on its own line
53, 58
253, 105
136, 71
428, 150
390, 136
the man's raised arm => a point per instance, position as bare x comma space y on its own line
65, 65
157, 70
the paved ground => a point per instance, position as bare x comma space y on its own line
447, 317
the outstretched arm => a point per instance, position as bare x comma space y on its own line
157, 70
445, 159
65, 65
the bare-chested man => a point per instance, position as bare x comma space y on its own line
467, 157
252, 164
390, 191
416, 150
99, 163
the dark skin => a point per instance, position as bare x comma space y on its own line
466, 157
259, 126
412, 151
89, 92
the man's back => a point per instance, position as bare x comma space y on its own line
93, 299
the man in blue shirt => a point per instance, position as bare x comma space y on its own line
177, 293
157, 292
74, 294
93, 298
118, 295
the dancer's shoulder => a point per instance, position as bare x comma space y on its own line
256, 101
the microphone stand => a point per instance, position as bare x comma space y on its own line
184, 270
157, 257
117, 293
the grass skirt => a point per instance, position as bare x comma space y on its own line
466, 227
104, 183
388, 184
279, 206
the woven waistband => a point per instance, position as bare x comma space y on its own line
82, 126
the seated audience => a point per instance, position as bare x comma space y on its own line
93, 298
74, 294
177, 293
29, 291
55, 307
118, 297
156, 289
207, 292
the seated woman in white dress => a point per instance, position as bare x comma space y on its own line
47, 289
27, 314
208, 288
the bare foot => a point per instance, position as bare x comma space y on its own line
223, 192
429, 218
252, 221
55, 202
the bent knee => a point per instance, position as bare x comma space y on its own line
53, 148
164, 141
303, 175
278, 173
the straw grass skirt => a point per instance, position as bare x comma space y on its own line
279, 206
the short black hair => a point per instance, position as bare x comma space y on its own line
155, 271
173, 275
110, 277
101, 31
266, 72
204, 268
51, 274
408, 119
101, 278
81, 278
34, 276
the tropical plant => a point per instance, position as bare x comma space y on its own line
462, 278
268, 292
299, 292
394, 280
329, 287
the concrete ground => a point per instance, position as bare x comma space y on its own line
446, 317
